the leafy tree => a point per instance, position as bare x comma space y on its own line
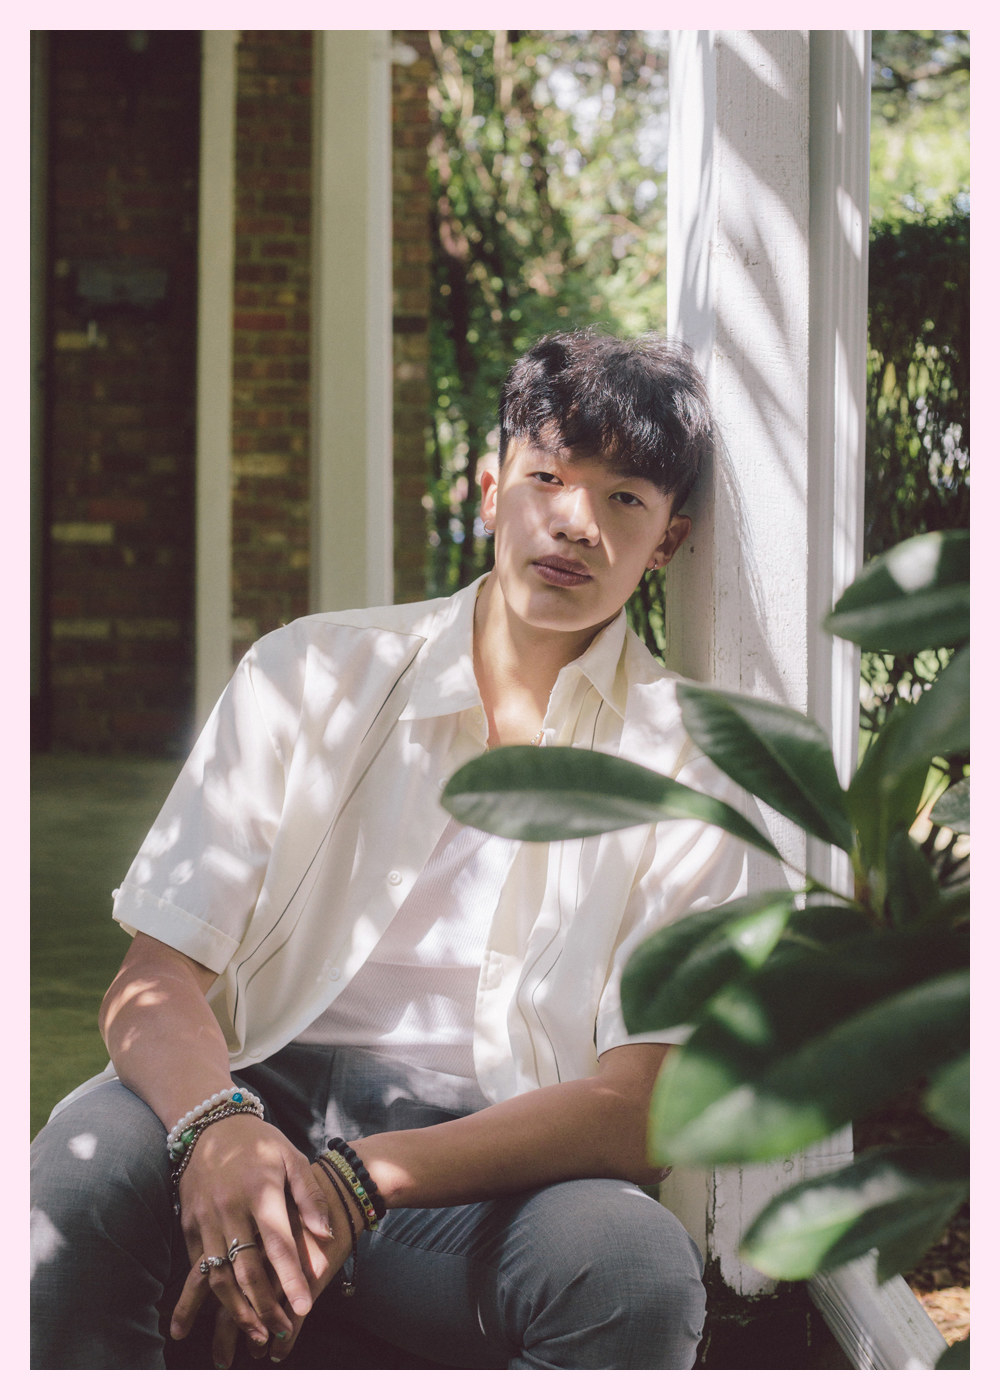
918, 408
920, 122
918, 411
810, 1009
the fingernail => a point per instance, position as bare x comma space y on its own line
220, 1366
276, 1359
281, 1336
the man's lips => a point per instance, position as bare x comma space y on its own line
565, 573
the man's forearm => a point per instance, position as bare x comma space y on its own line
163, 1039
587, 1127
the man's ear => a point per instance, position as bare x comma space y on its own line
488, 484
677, 532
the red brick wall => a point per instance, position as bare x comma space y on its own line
270, 571
123, 166
120, 479
411, 130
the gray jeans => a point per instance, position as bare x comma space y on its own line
580, 1275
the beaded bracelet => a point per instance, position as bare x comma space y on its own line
361, 1172
229, 1110
347, 1286
177, 1139
348, 1176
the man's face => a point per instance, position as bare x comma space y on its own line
573, 536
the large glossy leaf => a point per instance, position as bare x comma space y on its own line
886, 790
897, 1200
735, 1093
675, 971
777, 754
883, 797
912, 895
947, 1097
937, 726
952, 807
552, 794
913, 597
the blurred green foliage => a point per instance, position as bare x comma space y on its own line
920, 123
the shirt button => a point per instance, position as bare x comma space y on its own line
395, 878
334, 974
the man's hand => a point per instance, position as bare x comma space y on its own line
237, 1187
321, 1256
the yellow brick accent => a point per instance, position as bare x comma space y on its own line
83, 532
261, 464
82, 628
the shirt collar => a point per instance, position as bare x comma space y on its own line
445, 682
446, 679
602, 664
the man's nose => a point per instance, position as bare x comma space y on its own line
574, 517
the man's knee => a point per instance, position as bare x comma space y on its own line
622, 1279
102, 1156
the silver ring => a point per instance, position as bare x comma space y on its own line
213, 1261
235, 1248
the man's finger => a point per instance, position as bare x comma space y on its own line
255, 1284
309, 1198
224, 1340
193, 1294
278, 1241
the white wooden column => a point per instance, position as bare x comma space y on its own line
743, 601
351, 420
767, 281
213, 510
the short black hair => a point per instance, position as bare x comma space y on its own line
641, 403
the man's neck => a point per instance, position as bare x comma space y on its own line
517, 665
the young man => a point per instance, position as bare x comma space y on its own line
309, 925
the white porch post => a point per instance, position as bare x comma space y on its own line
767, 281
213, 517
351, 420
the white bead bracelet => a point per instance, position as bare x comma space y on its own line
176, 1145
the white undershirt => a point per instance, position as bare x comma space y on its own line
415, 995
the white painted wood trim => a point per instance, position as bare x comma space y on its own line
767, 281
878, 1327
839, 120
351, 420
213, 507
737, 293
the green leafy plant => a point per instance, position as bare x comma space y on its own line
809, 1008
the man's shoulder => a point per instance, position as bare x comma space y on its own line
357, 627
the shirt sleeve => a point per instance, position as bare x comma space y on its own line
688, 866
197, 876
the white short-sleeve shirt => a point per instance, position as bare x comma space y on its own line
236, 874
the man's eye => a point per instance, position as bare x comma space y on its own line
627, 498
546, 477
